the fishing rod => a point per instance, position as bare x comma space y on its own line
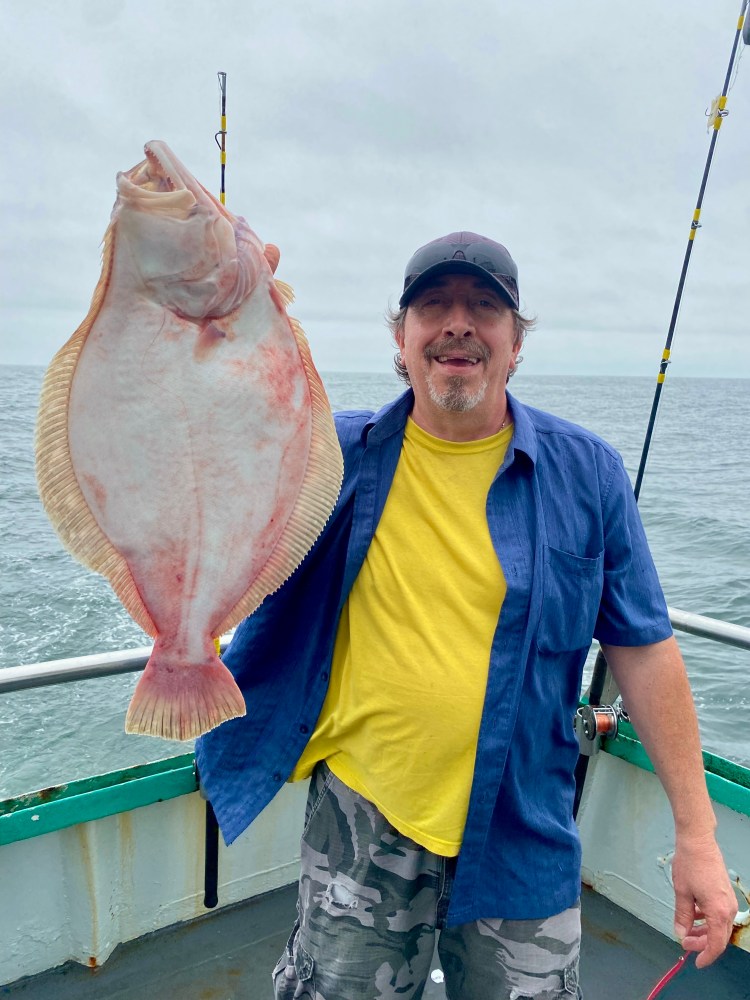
222, 144
719, 112
593, 723
597, 721
211, 862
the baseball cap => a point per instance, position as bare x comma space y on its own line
462, 253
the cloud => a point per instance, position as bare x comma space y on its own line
359, 131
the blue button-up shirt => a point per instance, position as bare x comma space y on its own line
565, 527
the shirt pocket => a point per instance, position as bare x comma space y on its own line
572, 590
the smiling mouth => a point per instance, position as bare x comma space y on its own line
461, 360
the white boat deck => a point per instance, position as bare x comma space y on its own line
228, 955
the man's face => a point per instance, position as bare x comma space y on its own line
458, 345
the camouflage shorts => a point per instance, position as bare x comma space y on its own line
370, 902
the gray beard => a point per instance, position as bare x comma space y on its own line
456, 397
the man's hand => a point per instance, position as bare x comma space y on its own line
656, 693
703, 893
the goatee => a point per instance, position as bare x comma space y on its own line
456, 396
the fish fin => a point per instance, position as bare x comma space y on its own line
285, 291
317, 497
176, 700
59, 488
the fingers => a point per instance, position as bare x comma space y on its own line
703, 893
714, 941
686, 912
708, 938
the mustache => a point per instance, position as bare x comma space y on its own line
449, 346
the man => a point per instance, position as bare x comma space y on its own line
423, 665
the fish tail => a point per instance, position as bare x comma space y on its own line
179, 700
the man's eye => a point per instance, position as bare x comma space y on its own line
487, 304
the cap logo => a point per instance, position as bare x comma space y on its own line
477, 254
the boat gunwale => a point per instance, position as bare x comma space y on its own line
57, 807
34, 814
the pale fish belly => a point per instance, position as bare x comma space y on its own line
185, 447
190, 445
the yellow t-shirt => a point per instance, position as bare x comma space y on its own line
401, 718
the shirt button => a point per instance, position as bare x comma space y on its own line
304, 729
324, 676
276, 776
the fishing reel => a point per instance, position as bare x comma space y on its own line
593, 723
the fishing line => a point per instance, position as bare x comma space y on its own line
746, 39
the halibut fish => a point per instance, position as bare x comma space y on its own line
185, 445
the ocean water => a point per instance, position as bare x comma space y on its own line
694, 504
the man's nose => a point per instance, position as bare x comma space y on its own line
459, 321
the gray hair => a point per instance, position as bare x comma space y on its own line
395, 319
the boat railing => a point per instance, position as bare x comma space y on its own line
79, 668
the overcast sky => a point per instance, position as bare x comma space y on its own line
573, 133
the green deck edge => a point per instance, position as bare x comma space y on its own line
94, 798
728, 783
120, 791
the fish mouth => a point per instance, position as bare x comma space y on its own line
162, 183
160, 172
155, 175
